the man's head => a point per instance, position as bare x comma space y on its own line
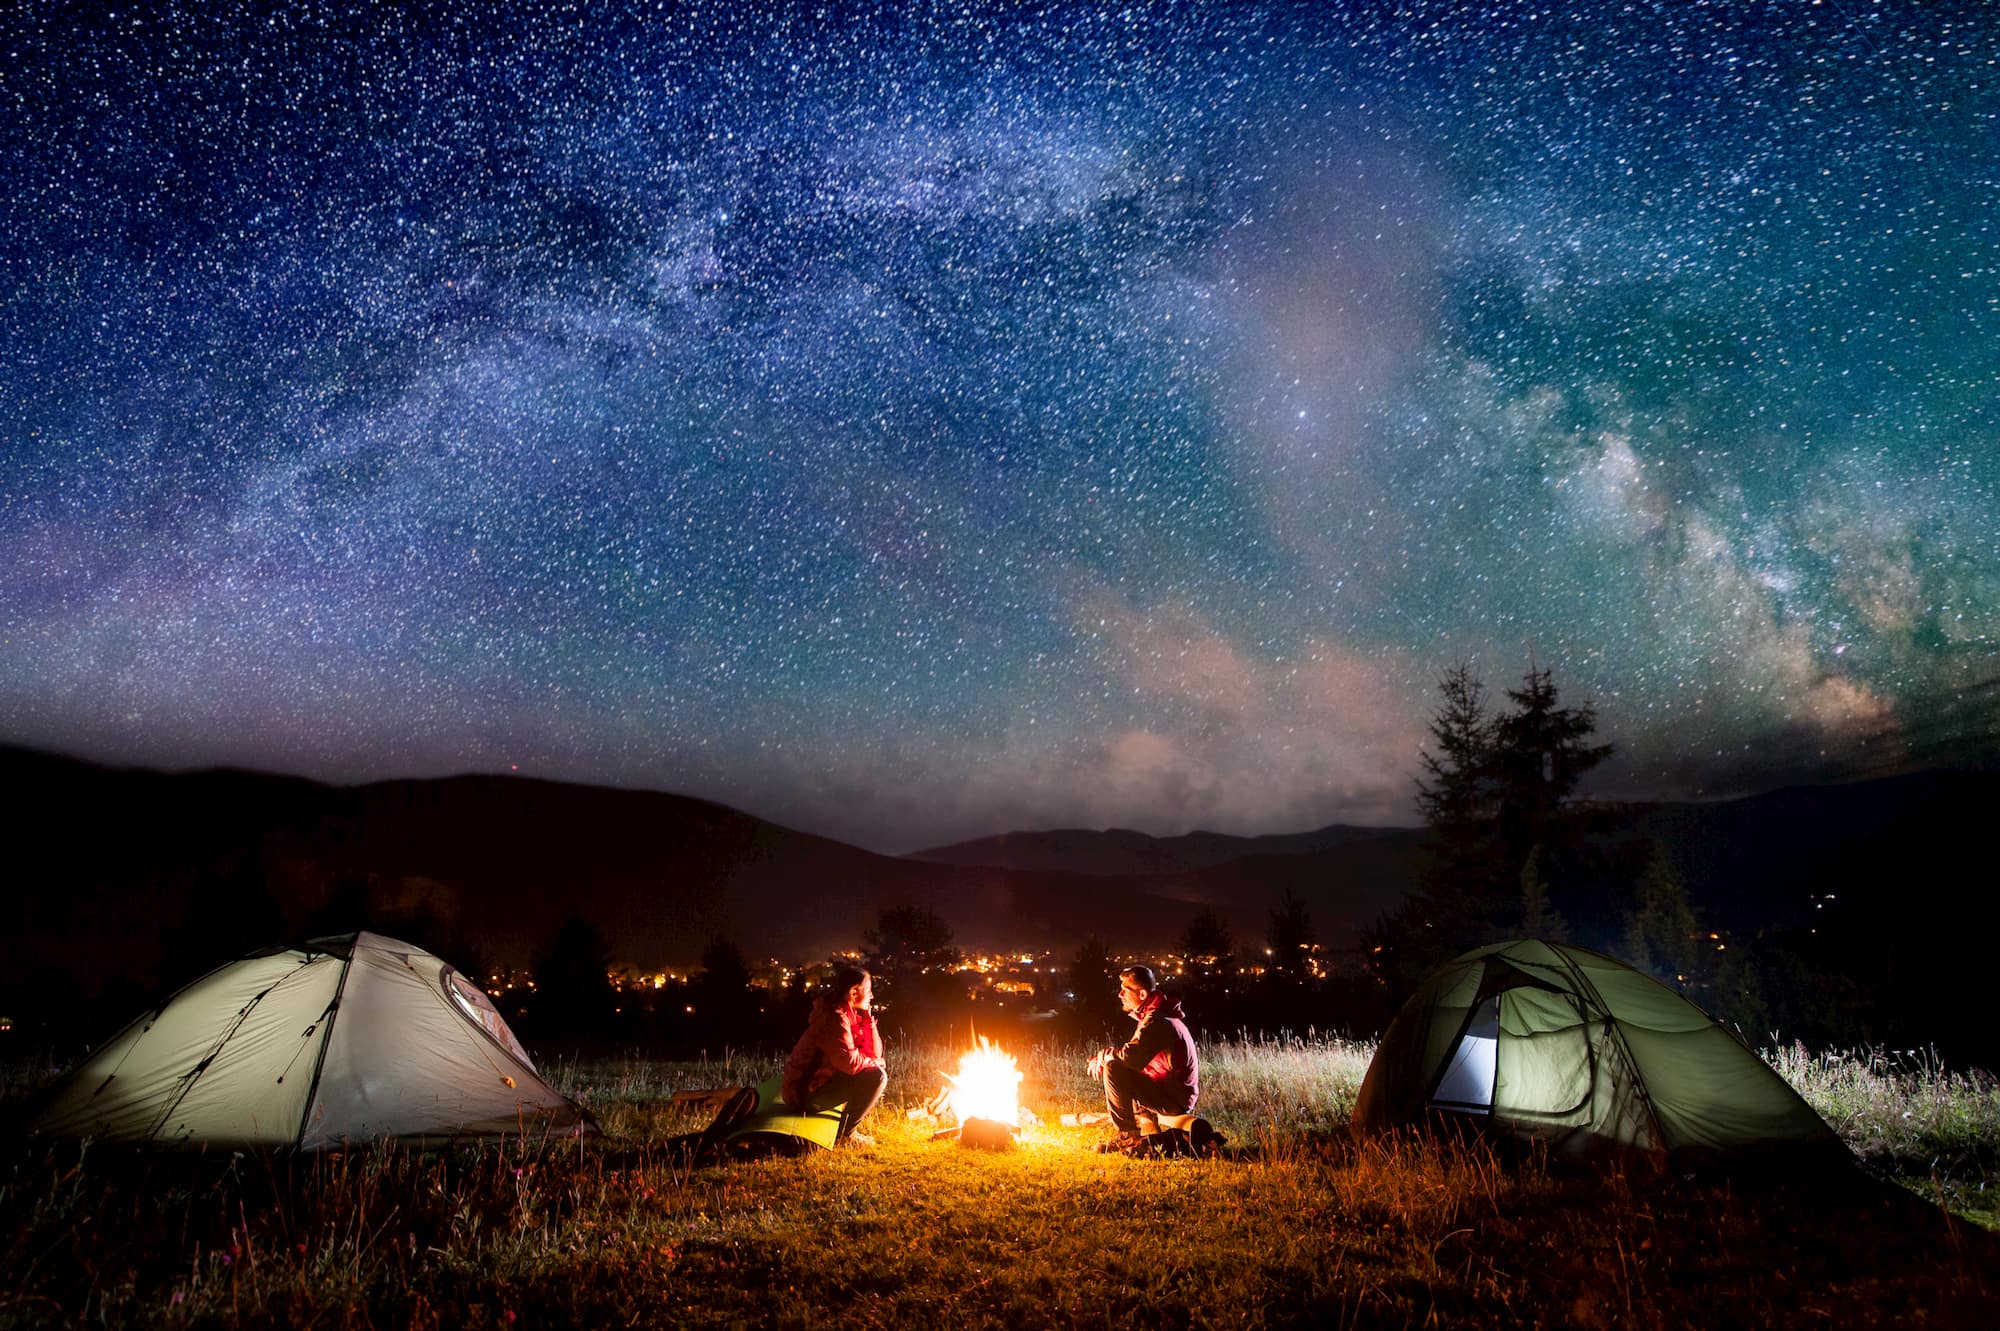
1135, 986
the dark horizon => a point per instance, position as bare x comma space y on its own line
1784, 778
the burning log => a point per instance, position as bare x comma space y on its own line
983, 1096
987, 1134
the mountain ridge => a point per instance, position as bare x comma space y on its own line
114, 865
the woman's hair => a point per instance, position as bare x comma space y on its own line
845, 977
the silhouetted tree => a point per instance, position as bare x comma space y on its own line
1093, 982
573, 993
344, 910
1290, 938
1540, 751
1207, 946
1663, 934
1456, 790
725, 1005
230, 912
911, 953
1092, 975
1458, 901
1492, 795
908, 940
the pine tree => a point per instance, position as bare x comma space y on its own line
721, 993
1290, 939
1539, 918
1462, 888
573, 993
1663, 933
1206, 944
1093, 985
909, 940
1455, 791
1491, 794
1540, 752
914, 962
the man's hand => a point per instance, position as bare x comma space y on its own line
1097, 1062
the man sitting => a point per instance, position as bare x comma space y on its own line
1155, 1072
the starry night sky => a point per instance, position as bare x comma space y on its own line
910, 424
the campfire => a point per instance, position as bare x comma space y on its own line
982, 1099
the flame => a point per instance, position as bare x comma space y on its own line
987, 1085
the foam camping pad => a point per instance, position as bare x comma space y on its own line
774, 1118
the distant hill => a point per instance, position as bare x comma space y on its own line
117, 875
117, 868
1906, 845
1121, 852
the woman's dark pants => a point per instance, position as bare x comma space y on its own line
860, 1090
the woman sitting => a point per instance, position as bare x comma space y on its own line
839, 1058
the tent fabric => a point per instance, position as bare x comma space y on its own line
343, 1040
1586, 1053
775, 1118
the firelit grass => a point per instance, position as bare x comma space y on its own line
1294, 1225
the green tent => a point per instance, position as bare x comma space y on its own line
1558, 1043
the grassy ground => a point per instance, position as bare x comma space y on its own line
1296, 1225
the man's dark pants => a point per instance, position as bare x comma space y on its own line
1127, 1088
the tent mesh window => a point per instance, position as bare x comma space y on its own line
472, 1002
1467, 1083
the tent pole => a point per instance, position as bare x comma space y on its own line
194, 1074
319, 1063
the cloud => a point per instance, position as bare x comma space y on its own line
1229, 737
1179, 726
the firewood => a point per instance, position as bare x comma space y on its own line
987, 1135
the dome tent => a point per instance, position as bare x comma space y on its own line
1558, 1043
344, 1039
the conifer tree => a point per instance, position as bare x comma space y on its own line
1539, 917
1491, 794
1541, 750
1290, 939
1662, 931
1207, 945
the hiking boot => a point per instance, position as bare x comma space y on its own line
1125, 1143
1203, 1136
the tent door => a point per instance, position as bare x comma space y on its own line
1467, 1083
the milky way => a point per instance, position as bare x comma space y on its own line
910, 424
